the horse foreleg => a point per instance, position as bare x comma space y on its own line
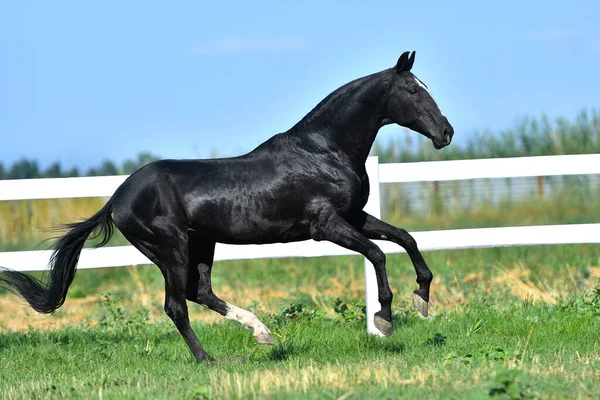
328, 225
376, 229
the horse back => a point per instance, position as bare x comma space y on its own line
261, 197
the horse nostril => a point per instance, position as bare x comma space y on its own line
448, 135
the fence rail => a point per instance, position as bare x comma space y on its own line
117, 256
52, 188
490, 168
426, 171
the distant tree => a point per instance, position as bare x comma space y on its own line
108, 168
92, 172
2, 173
146, 158
53, 171
74, 172
130, 166
24, 169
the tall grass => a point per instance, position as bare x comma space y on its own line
487, 203
23, 223
26, 224
530, 137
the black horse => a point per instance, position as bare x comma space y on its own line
307, 183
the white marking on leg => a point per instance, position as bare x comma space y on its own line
421, 84
247, 319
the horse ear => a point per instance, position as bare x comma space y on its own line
402, 62
411, 61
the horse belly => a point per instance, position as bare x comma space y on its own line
245, 223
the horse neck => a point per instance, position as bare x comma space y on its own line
349, 118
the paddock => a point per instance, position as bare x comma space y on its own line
436, 171
513, 309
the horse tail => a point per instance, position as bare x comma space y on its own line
46, 297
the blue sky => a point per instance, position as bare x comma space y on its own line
81, 82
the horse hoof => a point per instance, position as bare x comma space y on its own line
206, 359
421, 304
264, 338
383, 326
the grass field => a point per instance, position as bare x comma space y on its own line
506, 323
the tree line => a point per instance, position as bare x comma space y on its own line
529, 137
27, 169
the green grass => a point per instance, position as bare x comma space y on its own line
513, 323
489, 347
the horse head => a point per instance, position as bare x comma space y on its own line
412, 105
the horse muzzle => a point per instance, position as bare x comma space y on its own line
445, 140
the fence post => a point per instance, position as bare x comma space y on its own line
540, 180
373, 207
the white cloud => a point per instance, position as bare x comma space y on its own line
240, 45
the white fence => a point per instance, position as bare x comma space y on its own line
382, 173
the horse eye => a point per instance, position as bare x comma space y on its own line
412, 91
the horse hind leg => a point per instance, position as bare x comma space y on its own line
249, 320
199, 290
172, 260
